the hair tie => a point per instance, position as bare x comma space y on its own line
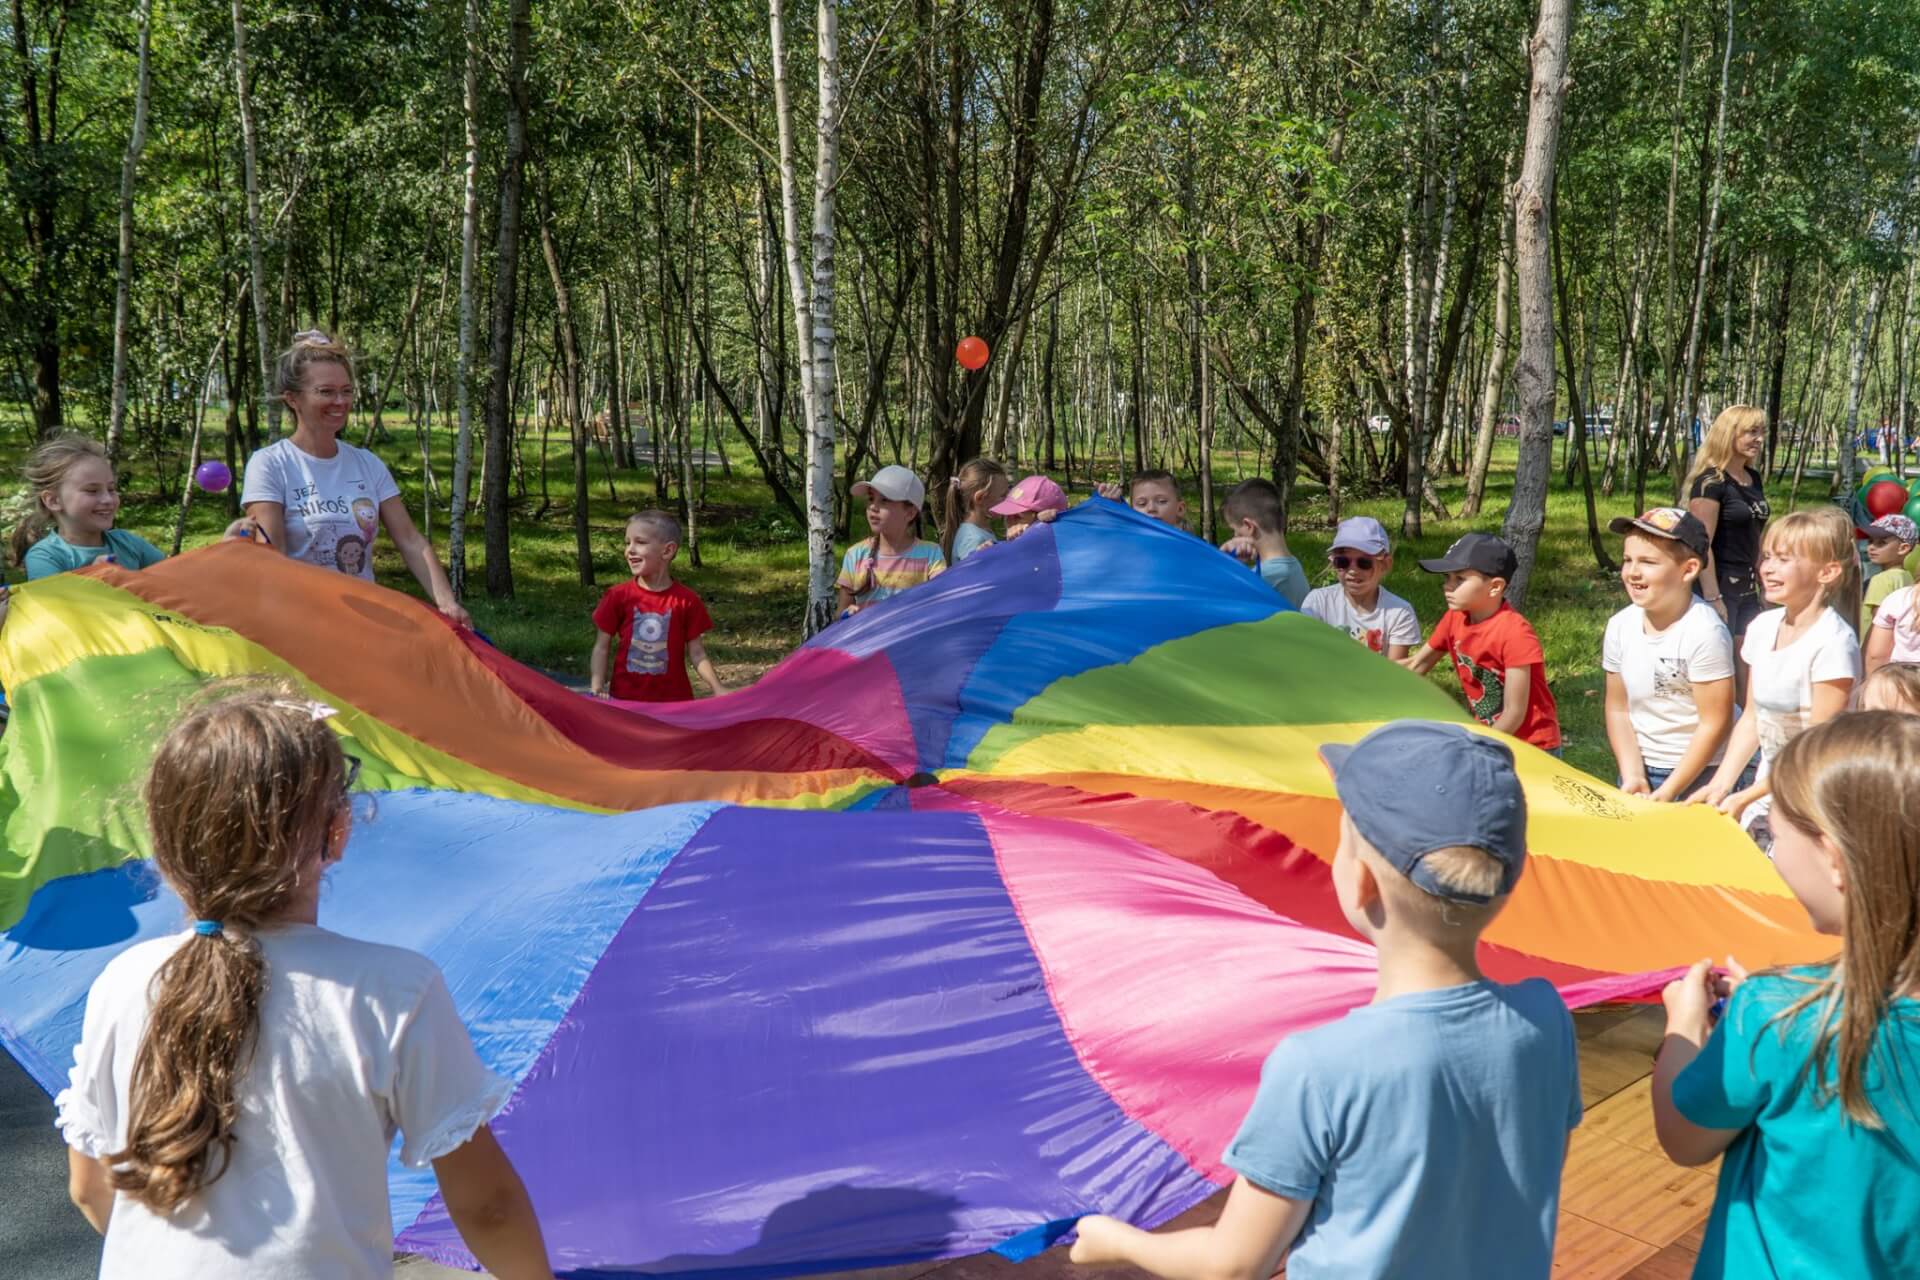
208, 928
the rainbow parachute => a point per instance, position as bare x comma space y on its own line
979, 912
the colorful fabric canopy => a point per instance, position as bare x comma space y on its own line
979, 911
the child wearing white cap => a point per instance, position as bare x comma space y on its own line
894, 558
1358, 604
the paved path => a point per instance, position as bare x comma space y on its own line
42, 1236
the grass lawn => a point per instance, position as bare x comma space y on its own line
752, 566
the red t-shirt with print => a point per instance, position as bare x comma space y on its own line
652, 630
1483, 653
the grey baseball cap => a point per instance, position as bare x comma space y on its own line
895, 482
1362, 533
1415, 786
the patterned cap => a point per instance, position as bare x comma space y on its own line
1899, 528
1672, 523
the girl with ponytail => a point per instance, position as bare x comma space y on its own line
965, 524
237, 1086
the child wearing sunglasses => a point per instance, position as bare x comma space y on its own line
1357, 603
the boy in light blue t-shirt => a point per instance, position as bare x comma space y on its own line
1422, 1134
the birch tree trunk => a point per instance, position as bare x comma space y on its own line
123, 289
1533, 376
263, 340
1690, 366
505, 281
1857, 367
463, 392
813, 294
1497, 360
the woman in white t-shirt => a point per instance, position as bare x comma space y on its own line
1668, 659
1803, 657
237, 1087
319, 499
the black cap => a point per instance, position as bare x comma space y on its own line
1667, 522
1481, 552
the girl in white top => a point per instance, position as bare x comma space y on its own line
237, 1087
1803, 657
1668, 659
319, 499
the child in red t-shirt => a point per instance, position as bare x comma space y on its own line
656, 621
1494, 650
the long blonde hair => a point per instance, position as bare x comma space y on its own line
46, 471
1716, 450
1822, 534
241, 799
1851, 780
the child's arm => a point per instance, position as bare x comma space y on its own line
1740, 748
1623, 740
1878, 649
488, 1203
1513, 708
844, 598
1422, 661
1689, 1023
602, 645
90, 1187
1713, 699
697, 650
1255, 1230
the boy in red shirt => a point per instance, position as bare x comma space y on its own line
1494, 651
658, 622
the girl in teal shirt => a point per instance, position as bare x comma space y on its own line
75, 493
1809, 1086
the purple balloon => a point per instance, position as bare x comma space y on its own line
213, 476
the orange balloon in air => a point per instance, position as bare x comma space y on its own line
972, 353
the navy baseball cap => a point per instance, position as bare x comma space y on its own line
1481, 552
1415, 786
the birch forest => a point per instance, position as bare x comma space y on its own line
1351, 244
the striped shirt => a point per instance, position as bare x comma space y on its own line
873, 575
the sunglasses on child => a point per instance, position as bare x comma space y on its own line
1343, 563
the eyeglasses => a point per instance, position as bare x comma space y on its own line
1362, 563
353, 773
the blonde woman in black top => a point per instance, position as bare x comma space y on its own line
1726, 492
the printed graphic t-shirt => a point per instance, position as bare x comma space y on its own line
332, 504
872, 575
1781, 679
1391, 621
54, 554
652, 630
1483, 653
1743, 517
1659, 672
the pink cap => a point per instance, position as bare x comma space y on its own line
1035, 493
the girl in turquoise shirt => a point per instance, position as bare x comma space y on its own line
1809, 1086
75, 492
